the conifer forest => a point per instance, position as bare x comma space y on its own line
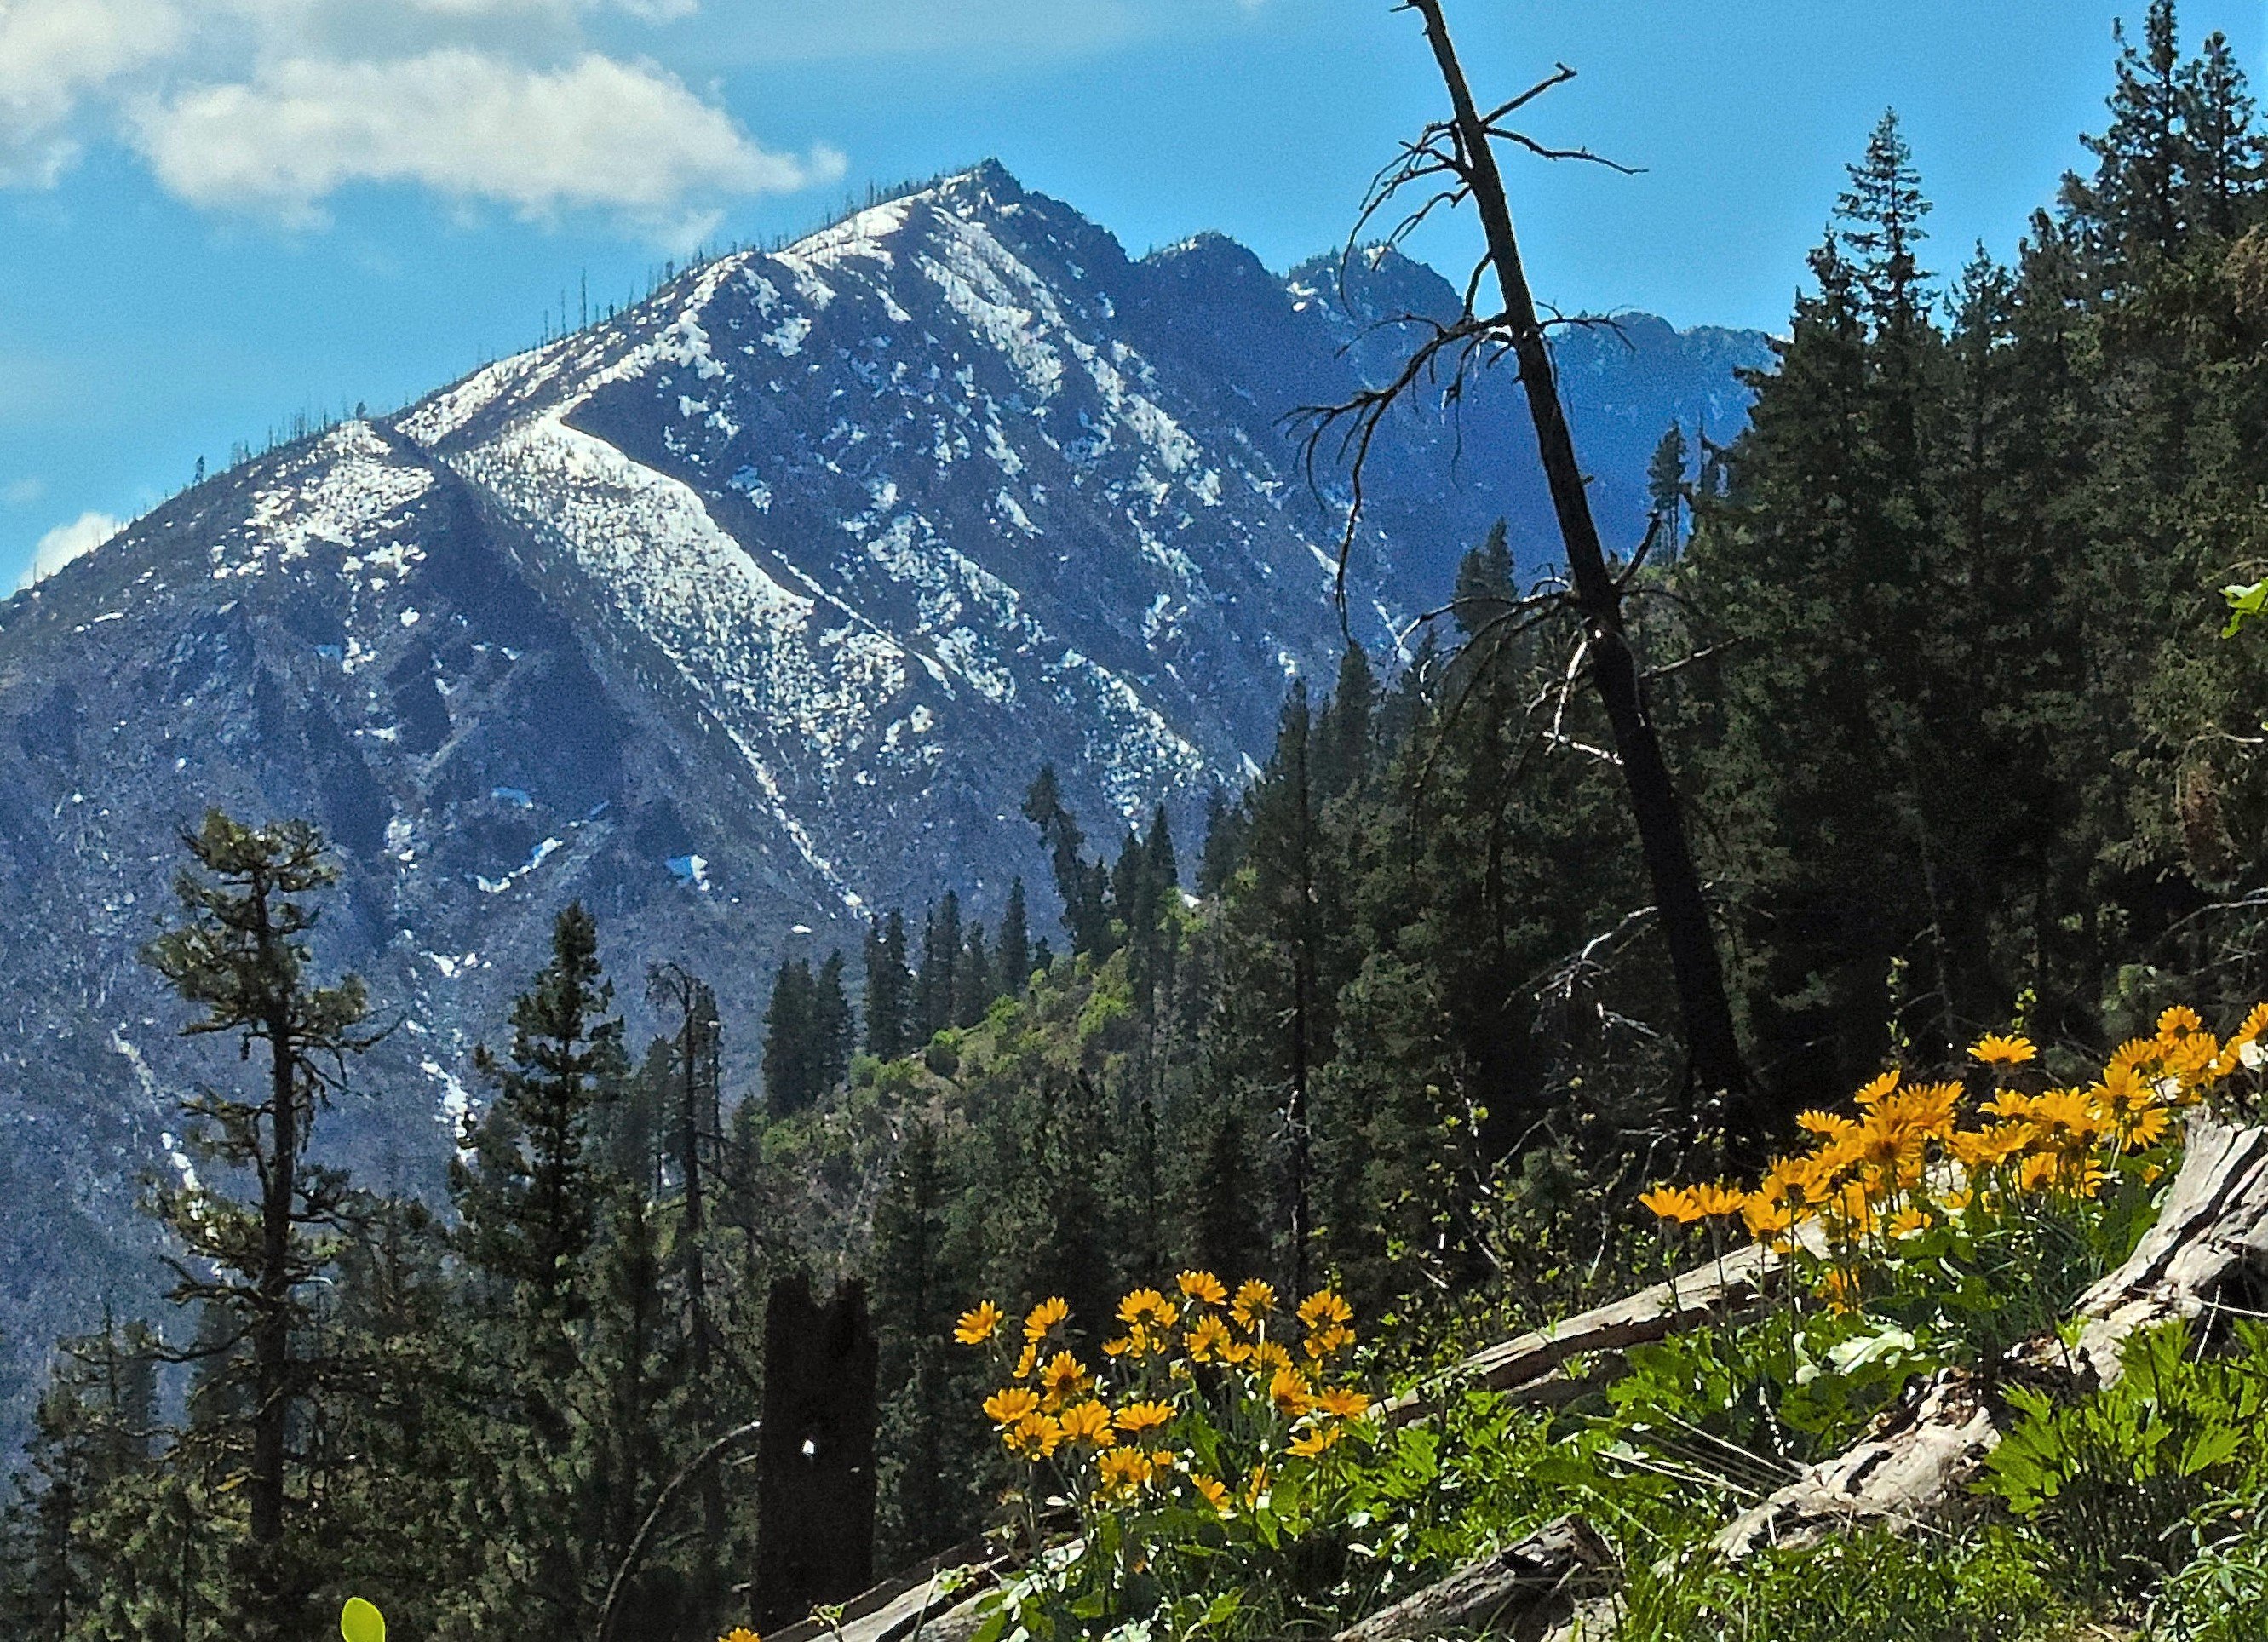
1716, 1092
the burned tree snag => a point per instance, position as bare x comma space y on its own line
1452, 163
816, 1455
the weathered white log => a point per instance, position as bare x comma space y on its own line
1524, 1591
911, 1604
1729, 1286
1911, 1469
1915, 1465
2212, 1228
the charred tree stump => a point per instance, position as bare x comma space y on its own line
815, 1457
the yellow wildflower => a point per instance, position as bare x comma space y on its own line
1767, 1216
1288, 1389
739, 1633
1123, 1472
1343, 1403
1137, 1417
1254, 1300
1840, 1289
1063, 1378
1323, 1307
1315, 1442
1909, 1221
1209, 1339
1026, 1359
2001, 1053
1044, 1316
1088, 1423
1203, 1287
1212, 1491
1718, 1202
1322, 1344
2148, 1128
1146, 1306
1671, 1202
1269, 1357
2178, 1021
1033, 1437
976, 1327
1877, 1088
1005, 1407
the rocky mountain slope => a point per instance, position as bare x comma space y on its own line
738, 616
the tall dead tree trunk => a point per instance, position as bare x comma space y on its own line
1710, 1041
1454, 162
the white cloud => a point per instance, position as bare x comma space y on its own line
470, 125
53, 53
65, 543
29, 488
271, 107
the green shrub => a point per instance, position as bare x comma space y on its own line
2114, 1479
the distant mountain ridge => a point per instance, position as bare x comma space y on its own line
746, 612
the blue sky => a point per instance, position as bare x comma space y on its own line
215, 213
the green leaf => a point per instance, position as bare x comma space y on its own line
361, 1621
2244, 603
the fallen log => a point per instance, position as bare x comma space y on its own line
1916, 1465
1728, 1288
1525, 1590
1910, 1470
935, 1601
2211, 1232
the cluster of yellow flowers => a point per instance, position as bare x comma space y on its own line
1905, 1163
1057, 1408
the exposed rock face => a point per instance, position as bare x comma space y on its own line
736, 616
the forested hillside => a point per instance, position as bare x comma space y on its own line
1972, 779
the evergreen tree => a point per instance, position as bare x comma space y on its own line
2224, 158
934, 1008
790, 1034
973, 986
241, 955
890, 990
2133, 203
698, 1121
1225, 843
1880, 217
527, 1203
833, 1034
926, 1501
1082, 885
1012, 953
1666, 489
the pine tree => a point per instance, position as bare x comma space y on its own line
1666, 487
2224, 158
2133, 203
1081, 885
973, 986
1881, 216
526, 1202
890, 990
833, 1035
934, 1008
696, 1125
241, 955
1012, 953
1222, 853
789, 1039
926, 1502
1343, 733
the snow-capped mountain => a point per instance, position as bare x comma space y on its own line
738, 615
